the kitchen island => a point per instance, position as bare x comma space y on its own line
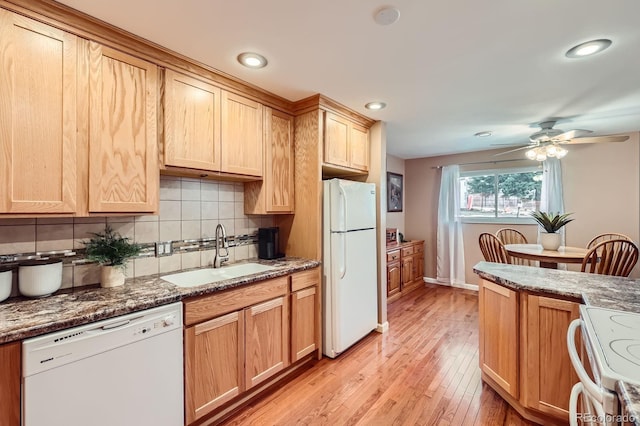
532, 308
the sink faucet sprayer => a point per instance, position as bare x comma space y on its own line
222, 250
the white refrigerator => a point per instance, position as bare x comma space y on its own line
350, 264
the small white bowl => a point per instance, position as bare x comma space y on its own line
6, 279
38, 278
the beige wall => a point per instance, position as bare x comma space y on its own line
601, 186
396, 219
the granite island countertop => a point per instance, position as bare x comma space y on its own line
602, 291
22, 317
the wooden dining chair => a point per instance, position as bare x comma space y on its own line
493, 249
607, 236
513, 236
611, 257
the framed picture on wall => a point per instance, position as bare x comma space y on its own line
394, 192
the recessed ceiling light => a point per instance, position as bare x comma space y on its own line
588, 48
386, 15
374, 106
252, 60
484, 134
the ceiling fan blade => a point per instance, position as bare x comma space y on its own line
571, 134
513, 150
596, 139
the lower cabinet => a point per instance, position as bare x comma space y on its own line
10, 360
405, 268
523, 350
239, 338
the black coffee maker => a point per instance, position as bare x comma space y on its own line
268, 243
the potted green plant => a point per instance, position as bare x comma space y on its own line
111, 250
552, 223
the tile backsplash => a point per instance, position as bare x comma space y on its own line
189, 209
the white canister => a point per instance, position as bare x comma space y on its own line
6, 280
39, 277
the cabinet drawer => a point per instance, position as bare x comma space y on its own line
305, 279
418, 248
407, 251
393, 255
202, 308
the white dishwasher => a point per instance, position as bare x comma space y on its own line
125, 371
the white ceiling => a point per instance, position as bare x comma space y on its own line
446, 69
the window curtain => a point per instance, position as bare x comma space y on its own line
551, 197
450, 248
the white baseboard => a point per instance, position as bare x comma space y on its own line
383, 328
465, 286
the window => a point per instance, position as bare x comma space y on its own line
500, 194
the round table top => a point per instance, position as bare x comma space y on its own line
564, 254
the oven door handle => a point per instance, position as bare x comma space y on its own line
588, 385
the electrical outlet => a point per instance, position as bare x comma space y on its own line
163, 248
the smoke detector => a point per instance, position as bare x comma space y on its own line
386, 15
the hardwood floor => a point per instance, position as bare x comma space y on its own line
423, 371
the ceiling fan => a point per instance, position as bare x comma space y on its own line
547, 142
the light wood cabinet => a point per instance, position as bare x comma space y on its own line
274, 194
38, 141
191, 123
214, 363
549, 374
346, 144
405, 268
498, 318
305, 313
123, 159
10, 377
523, 350
266, 340
242, 139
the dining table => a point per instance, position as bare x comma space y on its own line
547, 258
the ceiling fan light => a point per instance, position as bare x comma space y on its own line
531, 154
541, 156
551, 150
561, 152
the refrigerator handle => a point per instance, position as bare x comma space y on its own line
343, 258
343, 224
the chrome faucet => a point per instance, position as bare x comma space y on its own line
222, 250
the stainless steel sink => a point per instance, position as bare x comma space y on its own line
212, 275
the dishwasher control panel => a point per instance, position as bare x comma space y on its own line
55, 349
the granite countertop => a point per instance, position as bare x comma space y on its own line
22, 317
591, 289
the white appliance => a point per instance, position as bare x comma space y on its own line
350, 265
125, 371
612, 342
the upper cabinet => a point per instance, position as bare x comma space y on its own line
123, 159
274, 194
38, 141
346, 144
242, 142
191, 123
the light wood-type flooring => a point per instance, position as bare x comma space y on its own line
423, 371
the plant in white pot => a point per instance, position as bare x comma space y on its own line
552, 223
111, 251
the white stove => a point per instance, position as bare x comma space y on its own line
615, 344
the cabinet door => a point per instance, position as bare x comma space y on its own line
303, 323
418, 267
266, 340
274, 194
336, 140
407, 270
191, 123
359, 148
10, 376
393, 278
214, 363
242, 139
498, 319
123, 160
38, 83
550, 375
